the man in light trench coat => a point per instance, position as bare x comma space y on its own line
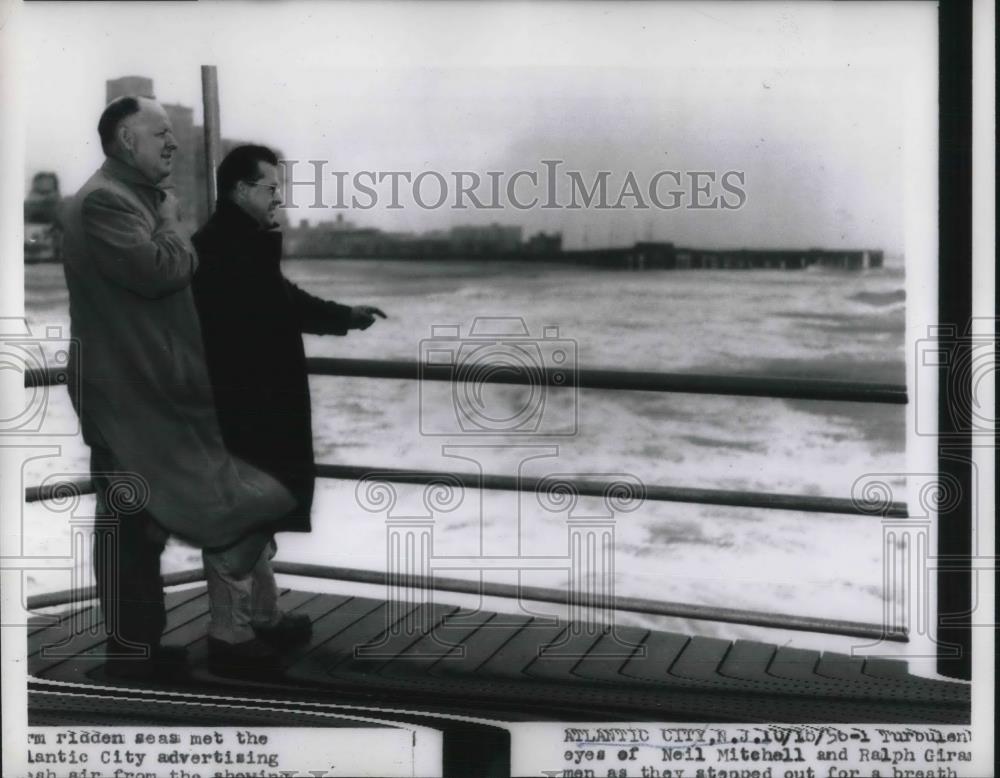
158, 460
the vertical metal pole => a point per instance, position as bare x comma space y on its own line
213, 142
957, 423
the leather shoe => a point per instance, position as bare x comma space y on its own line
293, 629
250, 659
164, 663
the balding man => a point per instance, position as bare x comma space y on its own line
158, 461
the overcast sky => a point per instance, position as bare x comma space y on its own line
814, 103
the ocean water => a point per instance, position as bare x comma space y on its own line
822, 323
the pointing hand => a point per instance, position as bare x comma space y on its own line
363, 316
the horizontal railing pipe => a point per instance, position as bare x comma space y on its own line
58, 490
583, 488
67, 596
630, 604
692, 383
854, 629
632, 380
594, 488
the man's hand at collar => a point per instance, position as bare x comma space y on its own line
363, 316
169, 208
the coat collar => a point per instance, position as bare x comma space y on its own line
115, 168
231, 217
240, 233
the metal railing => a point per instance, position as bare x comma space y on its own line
782, 388
629, 380
581, 487
641, 605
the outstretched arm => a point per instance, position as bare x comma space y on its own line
316, 316
325, 317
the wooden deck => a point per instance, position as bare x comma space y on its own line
485, 666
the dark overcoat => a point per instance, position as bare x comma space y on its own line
252, 320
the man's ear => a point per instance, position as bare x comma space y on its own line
125, 137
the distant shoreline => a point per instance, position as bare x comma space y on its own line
641, 256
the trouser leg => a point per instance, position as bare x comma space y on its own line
264, 597
230, 575
127, 549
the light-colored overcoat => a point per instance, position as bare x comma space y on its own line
138, 357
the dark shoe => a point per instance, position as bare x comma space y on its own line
251, 659
165, 663
293, 630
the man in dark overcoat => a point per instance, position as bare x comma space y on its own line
252, 321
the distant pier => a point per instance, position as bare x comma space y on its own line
649, 255
666, 256
344, 239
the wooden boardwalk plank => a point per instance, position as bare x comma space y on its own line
878, 667
840, 666
444, 644
366, 620
514, 657
701, 659
480, 645
748, 660
608, 657
558, 662
795, 664
345, 614
314, 660
393, 646
84, 652
661, 651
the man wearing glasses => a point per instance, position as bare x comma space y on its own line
252, 321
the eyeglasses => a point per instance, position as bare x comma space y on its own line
272, 188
